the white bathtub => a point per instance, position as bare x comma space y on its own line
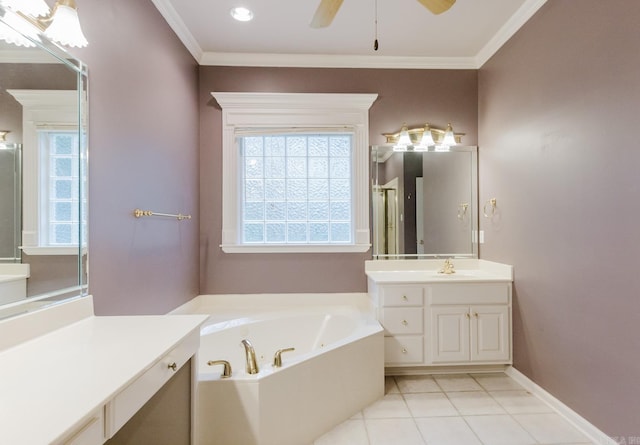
336, 370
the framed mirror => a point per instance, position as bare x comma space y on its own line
43, 165
425, 203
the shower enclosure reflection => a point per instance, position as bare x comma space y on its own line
424, 203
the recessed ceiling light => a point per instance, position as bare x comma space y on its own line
241, 14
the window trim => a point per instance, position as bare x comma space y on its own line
55, 109
295, 110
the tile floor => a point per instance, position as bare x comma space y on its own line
461, 409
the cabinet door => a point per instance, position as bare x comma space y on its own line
490, 333
449, 334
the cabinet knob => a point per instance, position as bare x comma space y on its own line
404, 298
404, 350
475, 314
468, 315
172, 366
405, 322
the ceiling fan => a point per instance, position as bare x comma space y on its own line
328, 9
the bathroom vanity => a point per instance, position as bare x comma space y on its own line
434, 320
69, 377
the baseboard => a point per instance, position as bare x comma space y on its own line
575, 419
435, 370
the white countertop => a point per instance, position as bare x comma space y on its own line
427, 271
50, 384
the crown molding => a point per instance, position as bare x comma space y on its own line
524, 13
334, 61
174, 20
517, 20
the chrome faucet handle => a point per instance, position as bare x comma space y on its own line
277, 357
226, 371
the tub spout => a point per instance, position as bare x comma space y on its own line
226, 371
277, 358
252, 365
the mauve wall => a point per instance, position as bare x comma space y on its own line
411, 96
558, 120
143, 153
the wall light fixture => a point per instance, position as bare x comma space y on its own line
423, 138
60, 24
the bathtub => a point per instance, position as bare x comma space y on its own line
336, 369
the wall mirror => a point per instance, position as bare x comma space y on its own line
43, 171
425, 203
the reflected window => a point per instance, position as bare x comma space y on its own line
59, 183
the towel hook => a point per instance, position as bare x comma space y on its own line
493, 203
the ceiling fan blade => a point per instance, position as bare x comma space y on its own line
325, 13
437, 6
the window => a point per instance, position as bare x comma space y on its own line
59, 194
296, 172
296, 188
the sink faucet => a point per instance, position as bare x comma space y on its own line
448, 267
252, 365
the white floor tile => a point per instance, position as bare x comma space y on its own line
390, 406
421, 383
499, 430
457, 382
393, 432
351, 432
497, 382
475, 403
430, 404
549, 428
520, 402
446, 431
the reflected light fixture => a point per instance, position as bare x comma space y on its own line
61, 24
241, 14
423, 138
3, 139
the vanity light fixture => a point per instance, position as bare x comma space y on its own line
241, 14
13, 30
61, 24
448, 141
427, 139
34, 8
404, 140
423, 138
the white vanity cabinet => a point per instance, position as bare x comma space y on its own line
470, 323
72, 378
433, 320
402, 316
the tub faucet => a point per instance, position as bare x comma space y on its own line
252, 365
448, 267
226, 371
277, 358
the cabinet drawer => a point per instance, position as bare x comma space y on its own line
470, 293
401, 295
403, 349
128, 401
401, 320
91, 433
